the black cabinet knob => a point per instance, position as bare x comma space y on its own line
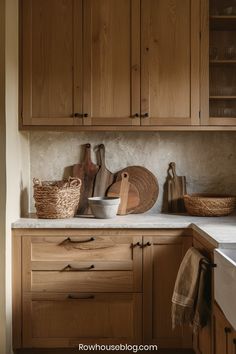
85, 115
145, 115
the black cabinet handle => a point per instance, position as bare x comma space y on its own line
148, 244
74, 297
78, 115
69, 240
133, 245
69, 268
135, 115
145, 115
228, 330
85, 115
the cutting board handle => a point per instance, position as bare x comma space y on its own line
172, 170
87, 153
101, 150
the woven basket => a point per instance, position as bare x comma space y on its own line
56, 199
209, 205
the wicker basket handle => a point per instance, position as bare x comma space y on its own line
74, 182
37, 182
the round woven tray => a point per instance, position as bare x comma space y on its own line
209, 205
56, 199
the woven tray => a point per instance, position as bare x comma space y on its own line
209, 205
56, 199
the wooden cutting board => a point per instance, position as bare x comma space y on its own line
176, 190
146, 184
86, 171
104, 177
127, 192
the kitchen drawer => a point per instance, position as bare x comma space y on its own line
57, 320
82, 267
81, 248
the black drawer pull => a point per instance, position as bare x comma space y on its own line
69, 268
74, 297
69, 240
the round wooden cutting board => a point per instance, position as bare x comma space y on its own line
146, 184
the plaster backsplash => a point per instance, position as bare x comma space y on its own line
207, 159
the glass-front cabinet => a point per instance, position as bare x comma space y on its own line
222, 62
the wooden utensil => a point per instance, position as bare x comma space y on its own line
146, 184
176, 190
104, 177
127, 192
86, 171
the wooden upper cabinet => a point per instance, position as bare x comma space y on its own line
170, 55
111, 62
50, 59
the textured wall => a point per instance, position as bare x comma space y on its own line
208, 159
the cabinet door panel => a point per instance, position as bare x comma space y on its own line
48, 61
161, 263
58, 320
111, 62
170, 62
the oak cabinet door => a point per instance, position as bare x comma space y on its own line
222, 332
162, 258
66, 320
51, 61
111, 62
170, 42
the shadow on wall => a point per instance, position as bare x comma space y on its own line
24, 201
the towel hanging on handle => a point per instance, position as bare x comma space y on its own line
192, 292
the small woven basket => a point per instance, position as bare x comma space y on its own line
56, 199
209, 205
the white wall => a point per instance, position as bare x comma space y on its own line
17, 151
2, 180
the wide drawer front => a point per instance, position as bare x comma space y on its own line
102, 265
80, 248
82, 281
58, 320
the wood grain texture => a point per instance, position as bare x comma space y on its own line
104, 177
170, 62
48, 62
220, 335
111, 62
176, 190
128, 193
101, 318
146, 184
161, 263
86, 171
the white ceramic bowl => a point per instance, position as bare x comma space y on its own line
104, 207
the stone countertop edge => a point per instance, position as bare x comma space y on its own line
220, 231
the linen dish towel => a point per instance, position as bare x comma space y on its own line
191, 296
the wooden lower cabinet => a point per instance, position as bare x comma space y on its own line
203, 340
96, 286
162, 257
224, 334
65, 320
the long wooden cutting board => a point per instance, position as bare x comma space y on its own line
176, 190
86, 171
104, 177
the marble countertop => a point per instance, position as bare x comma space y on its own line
220, 231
